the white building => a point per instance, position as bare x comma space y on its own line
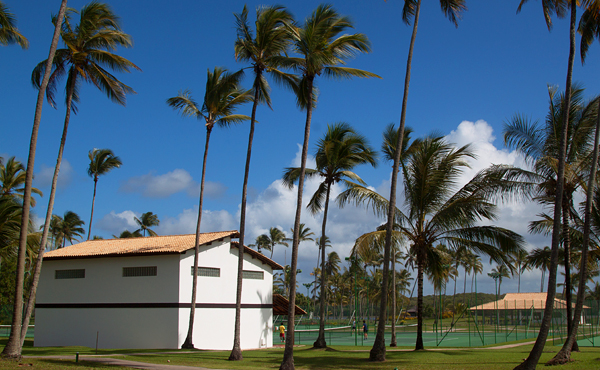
136, 293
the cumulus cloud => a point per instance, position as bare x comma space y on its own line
115, 223
186, 221
163, 186
43, 179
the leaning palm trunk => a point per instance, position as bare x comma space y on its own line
189, 340
38, 267
92, 214
288, 355
378, 351
536, 352
236, 352
14, 345
564, 355
320, 342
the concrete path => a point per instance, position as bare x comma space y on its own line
123, 362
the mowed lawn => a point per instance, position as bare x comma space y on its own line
337, 357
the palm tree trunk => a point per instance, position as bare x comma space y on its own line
13, 349
236, 352
189, 340
38, 266
320, 342
567, 259
393, 340
420, 267
564, 355
288, 355
377, 353
92, 214
536, 352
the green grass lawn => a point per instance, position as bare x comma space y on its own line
349, 358
336, 357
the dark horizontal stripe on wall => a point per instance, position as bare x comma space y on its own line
149, 305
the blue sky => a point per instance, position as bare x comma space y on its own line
466, 82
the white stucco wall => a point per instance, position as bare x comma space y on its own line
104, 283
214, 327
154, 327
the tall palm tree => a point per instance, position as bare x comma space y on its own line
145, 223
411, 11
558, 8
271, 41
89, 48
9, 33
223, 95
338, 153
438, 213
102, 161
539, 144
12, 180
323, 49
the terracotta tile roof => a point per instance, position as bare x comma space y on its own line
281, 305
274, 265
136, 246
522, 301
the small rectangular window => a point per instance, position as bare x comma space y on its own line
69, 274
207, 271
140, 271
256, 275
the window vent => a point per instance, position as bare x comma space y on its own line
256, 275
140, 271
69, 274
207, 271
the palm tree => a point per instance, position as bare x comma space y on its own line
438, 213
539, 145
540, 258
145, 223
549, 8
89, 48
273, 238
128, 234
70, 228
498, 273
322, 52
412, 8
223, 95
520, 264
338, 153
369, 247
9, 33
271, 41
101, 162
12, 179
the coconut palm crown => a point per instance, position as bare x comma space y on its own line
102, 161
9, 33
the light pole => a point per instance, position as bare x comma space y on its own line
354, 261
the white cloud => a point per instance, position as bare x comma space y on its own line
43, 179
186, 221
163, 186
114, 223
